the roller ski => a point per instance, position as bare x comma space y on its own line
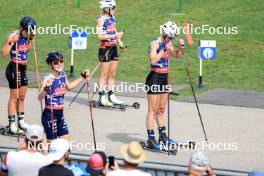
158, 147
113, 99
154, 146
163, 145
106, 103
11, 130
135, 105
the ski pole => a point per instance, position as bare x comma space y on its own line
17, 91
91, 114
37, 70
194, 96
169, 122
92, 73
51, 108
188, 35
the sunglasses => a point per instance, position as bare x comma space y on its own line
56, 62
113, 8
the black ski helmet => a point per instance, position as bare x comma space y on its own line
28, 24
52, 56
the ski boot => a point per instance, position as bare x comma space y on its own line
22, 125
153, 144
166, 143
113, 99
103, 101
13, 129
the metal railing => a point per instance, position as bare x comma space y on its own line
154, 168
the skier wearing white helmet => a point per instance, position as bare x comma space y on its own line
157, 82
108, 55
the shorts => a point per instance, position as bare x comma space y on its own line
11, 75
108, 54
60, 126
157, 83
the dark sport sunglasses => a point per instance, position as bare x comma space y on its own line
56, 62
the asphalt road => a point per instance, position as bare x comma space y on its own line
237, 131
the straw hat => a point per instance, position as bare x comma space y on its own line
133, 153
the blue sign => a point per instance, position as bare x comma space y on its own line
207, 52
207, 49
78, 40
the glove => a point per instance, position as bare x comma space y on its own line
85, 73
123, 47
181, 43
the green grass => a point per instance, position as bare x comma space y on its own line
240, 58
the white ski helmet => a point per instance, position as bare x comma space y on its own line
170, 29
107, 4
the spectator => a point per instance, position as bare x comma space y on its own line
28, 160
133, 155
97, 165
58, 152
198, 165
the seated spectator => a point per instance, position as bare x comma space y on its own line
132, 154
97, 165
28, 160
198, 165
58, 152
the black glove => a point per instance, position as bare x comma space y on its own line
85, 73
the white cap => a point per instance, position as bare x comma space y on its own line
34, 133
107, 4
170, 29
198, 160
58, 148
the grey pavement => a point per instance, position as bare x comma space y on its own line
93, 83
228, 97
219, 96
237, 132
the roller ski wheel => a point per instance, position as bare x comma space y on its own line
136, 105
